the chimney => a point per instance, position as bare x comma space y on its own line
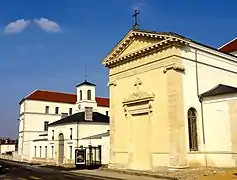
88, 114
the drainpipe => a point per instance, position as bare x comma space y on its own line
201, 103
77, 134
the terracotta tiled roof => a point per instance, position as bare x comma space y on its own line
229, 47
60, 97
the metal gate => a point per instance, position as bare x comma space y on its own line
88, 157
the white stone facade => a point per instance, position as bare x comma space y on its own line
41, 108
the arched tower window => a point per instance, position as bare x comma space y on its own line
89, 95
80, 94
192, 129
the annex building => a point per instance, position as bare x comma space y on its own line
53, 124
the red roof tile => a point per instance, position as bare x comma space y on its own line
60, 97
229, 47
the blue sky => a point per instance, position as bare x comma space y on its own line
49, 47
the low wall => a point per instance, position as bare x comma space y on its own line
13, 157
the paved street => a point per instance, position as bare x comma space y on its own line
16, 171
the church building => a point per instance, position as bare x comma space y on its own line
52, 125
173, 102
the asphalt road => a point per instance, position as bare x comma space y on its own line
15, 171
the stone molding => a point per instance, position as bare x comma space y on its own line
163, 40
175, 66
146, 67
112, 83
139, 101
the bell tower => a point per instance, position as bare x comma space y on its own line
85, 96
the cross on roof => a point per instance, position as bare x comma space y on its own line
135, 15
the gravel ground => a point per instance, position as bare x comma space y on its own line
183, 174
195, 173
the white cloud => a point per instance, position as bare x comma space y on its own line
17, 26
138, 4
48, 25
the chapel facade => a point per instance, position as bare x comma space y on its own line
172, 102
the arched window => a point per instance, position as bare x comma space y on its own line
80, 94
89, 95
192, 129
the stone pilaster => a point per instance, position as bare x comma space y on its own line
177, 135
112, 86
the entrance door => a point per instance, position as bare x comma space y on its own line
60, 148
140, 142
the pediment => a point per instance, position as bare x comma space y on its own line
136, 42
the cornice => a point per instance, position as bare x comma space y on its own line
175, 66
164, 40
165, 63
144, 51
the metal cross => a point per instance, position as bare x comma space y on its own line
135, 15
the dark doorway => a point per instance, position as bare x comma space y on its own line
60, 148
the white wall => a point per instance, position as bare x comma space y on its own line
218, 131
217, 127
213, 69
33, 116
7, 147
39, 107
38, 153
90, 129
105, 150
84, 129
103, 110
208, 77
84, 89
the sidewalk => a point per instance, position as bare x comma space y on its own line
115, 175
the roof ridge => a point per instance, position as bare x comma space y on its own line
102, 97
62, 93
30, 93
54, 91
227, 43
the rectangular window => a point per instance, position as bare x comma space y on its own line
46, 123
63, 115
71, 133
35, 151
52, 134
47, 109
40, 151
56, 110
70, 111
107, 113
88, 113
70, 149
46, 151
52, 152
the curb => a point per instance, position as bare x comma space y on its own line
67, 170
139, 174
